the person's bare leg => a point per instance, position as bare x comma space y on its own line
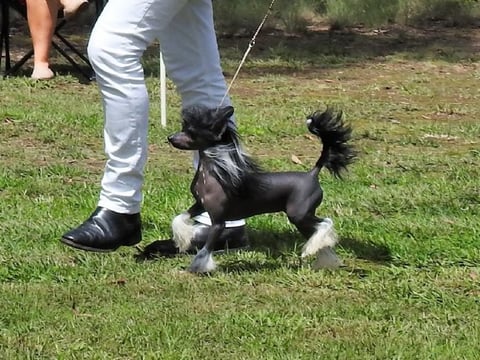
42, 19
72, 7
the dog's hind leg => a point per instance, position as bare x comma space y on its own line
326, 258
323, 236
321, 241
203, 262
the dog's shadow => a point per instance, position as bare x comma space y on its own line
279, 249
280, 243
272, 250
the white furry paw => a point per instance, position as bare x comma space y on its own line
327, 259
182, 228
324, 237
202, 262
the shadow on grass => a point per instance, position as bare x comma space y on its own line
61, 70
270, 251
316, 50
277, 244
322, 49
367, 250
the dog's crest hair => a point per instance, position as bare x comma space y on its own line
226, 159
233, 168
202, 122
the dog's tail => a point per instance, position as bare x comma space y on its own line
336, 154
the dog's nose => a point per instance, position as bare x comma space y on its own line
169, 138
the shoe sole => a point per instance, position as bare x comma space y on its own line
93, 249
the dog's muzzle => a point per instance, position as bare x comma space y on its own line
180, 141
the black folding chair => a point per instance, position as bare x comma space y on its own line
20, 7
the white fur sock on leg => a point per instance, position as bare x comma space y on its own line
203, 262
183, 230
322, 243
324, 237
326, 259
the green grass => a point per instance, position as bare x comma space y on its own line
407, 214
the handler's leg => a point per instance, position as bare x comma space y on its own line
119, 39
196, 71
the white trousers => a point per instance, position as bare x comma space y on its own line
188, 43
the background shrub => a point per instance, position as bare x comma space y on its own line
295, 16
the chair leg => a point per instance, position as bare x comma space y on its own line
1, 49
9, 70
12, 70
5, 35
72, 48
89, 76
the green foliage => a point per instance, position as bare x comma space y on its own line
453, 12
376, 13
296, 16
234, 17
369, 12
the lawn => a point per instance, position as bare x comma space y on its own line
406, 213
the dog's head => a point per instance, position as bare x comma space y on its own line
201, 128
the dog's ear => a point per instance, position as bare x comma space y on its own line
223, 116
225, 112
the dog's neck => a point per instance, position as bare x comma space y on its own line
228, 163
225, 162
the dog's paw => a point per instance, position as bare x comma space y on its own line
326, 259
182, 228
323, 237
202, 262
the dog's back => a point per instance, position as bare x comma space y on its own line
268, 192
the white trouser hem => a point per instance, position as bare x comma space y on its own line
204, 219
121, 209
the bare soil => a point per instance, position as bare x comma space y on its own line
436, 41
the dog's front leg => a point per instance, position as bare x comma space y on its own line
196, 209
183, 227
203, 262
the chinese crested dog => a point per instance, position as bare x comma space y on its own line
229, 184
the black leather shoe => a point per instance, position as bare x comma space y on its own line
105, 230
232, 239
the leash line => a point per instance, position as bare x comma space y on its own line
250, 46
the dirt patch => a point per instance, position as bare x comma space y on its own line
319, 47
325, 48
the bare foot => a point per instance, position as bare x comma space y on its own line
73, 7
42, 73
